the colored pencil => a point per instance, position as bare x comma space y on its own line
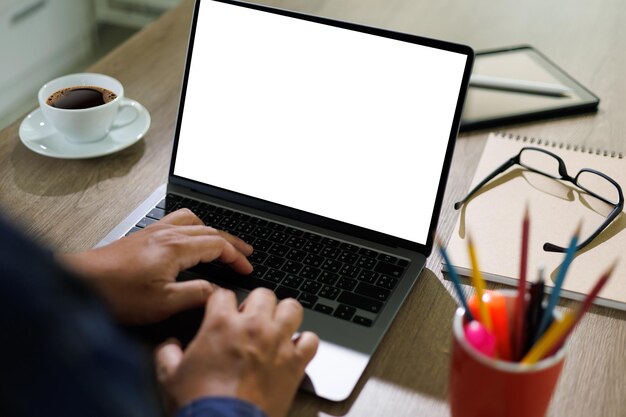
548, 340
479, 283
456, 282
520, 301
556, 290
585, 306
534, 312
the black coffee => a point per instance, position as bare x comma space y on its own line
80, 97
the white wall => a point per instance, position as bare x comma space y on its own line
39, 40
42, 39
131, 13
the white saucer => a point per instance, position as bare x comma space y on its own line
40, 137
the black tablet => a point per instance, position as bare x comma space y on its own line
485, 107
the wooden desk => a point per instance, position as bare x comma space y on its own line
56, 200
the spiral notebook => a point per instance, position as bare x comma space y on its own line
493, 217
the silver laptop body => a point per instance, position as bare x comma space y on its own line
327, 127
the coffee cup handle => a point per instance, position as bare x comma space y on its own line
125, 117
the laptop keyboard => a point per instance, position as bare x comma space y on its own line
326, 275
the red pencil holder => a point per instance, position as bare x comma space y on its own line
485, 387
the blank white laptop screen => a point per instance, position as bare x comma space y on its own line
338, 123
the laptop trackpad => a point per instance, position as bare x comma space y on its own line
334, 371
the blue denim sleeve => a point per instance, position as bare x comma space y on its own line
220, 407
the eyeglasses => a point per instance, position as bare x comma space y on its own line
546, 163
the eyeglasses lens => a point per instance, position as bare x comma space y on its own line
599, 185
541, 162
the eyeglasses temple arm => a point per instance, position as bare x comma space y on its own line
498, 170
549, 247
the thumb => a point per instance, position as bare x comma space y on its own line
167, 357
185, 295
306, 347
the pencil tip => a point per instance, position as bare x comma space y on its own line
611, 268
578, 228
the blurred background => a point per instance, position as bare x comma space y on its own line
42, 39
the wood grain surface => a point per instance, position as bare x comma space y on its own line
71, 205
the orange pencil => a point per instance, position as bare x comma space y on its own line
497, 307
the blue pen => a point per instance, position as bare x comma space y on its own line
554, 295
456, 282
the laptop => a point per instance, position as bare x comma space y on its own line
326, 145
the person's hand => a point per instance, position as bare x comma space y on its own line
246, 353
136, 275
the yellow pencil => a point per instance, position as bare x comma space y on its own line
546, 343
479, 283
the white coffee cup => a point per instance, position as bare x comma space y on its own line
89, 124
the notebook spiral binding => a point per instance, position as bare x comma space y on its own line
561, 145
